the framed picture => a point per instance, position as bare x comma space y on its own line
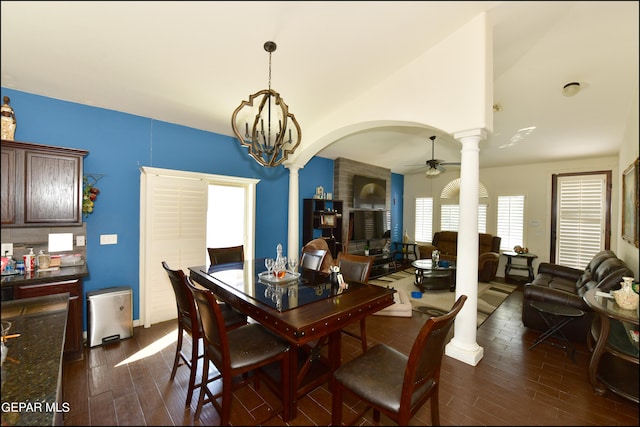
630, 210
329, 220
319, 193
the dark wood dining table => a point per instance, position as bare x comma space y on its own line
305, 311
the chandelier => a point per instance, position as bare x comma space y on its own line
270, 132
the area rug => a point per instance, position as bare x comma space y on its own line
435, 303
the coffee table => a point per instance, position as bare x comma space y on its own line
434, 278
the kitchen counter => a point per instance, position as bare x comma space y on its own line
36, 276
32, 373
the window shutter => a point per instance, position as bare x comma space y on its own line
424, 219
450, 218
174, 216
511, 221
482, 218
581, 219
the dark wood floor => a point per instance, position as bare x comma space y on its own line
510, 386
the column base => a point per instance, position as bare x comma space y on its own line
470, 356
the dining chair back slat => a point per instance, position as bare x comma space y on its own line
312, 259
225, 255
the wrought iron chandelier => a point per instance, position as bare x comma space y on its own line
270, 132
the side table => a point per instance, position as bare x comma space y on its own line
614, 361
556, 317
528, 267
405, 248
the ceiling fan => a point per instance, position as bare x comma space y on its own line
435, 166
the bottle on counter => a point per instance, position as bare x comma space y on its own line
11, 264
43, 260
280, 264
29, 261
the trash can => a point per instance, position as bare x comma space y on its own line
109, 315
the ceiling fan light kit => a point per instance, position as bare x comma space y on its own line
434, 166
432, 172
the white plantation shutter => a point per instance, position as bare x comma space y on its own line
482, 218
450, 218
511, 221
173, 228
424, 219
175, 219
581, 219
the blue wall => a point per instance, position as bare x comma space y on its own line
119, 144
397, 206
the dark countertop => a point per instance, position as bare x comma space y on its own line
32, 277
32, 373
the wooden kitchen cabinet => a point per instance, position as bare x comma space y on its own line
41, 185
73, 344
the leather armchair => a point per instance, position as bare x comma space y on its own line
447, 243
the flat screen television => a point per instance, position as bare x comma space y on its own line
369, 193
370, 224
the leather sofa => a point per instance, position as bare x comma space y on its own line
447, 243
566, 286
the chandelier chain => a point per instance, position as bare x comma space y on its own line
269, 71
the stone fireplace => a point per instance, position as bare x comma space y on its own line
343, 172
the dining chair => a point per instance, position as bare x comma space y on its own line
391, 382
189, 322
312, 259
235, 353
312, 251
356, 268
226, 255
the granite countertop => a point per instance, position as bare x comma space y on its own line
32, 372
36, 276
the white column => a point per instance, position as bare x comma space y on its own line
293, 242
463, 345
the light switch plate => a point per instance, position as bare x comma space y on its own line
8, 248
80, 241
108, 239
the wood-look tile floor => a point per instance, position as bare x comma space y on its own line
127, 383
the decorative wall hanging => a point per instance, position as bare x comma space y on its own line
8, 120
630, 209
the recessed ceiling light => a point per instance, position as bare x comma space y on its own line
571, 89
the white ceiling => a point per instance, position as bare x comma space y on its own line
192, 63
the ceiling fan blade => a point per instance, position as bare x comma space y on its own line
450, 163
416, 170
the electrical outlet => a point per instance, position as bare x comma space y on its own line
7, 248
80, 241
